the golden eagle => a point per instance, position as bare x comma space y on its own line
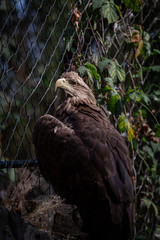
86, 160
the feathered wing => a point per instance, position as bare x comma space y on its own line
49, 137
110, 157
87, 162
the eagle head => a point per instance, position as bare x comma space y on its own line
71, 90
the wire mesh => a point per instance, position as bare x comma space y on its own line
39, 40
35, 41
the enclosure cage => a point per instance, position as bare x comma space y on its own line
39, 40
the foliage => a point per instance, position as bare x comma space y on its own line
128, 88
134, 4
125, 126
114, 45
108, 9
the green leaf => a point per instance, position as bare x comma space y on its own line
156, 92
114, 103
122, 125
120, 72
146, 45
98, 4
155, 68
130, 133
155, 147
116, 72
109, 11
103, 64
149, 151
83, 70
125, 126
144, 97
134, 96
113, 98
110, 82
93, 70
137, 95
156, 51
157, 131
92, 73
119, 11
134, 4
148, 203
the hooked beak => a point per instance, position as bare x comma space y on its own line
61, 83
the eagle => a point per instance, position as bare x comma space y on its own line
86, 160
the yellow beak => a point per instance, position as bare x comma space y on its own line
61, 83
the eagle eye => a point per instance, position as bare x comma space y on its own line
73, 83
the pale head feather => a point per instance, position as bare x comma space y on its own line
76, 92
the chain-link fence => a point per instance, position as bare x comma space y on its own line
39, 40
38, 43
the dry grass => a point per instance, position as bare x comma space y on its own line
43, 215
28, 199
46, 212
16, 197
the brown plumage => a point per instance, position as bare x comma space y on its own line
86, 160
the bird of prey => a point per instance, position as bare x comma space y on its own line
86, 160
